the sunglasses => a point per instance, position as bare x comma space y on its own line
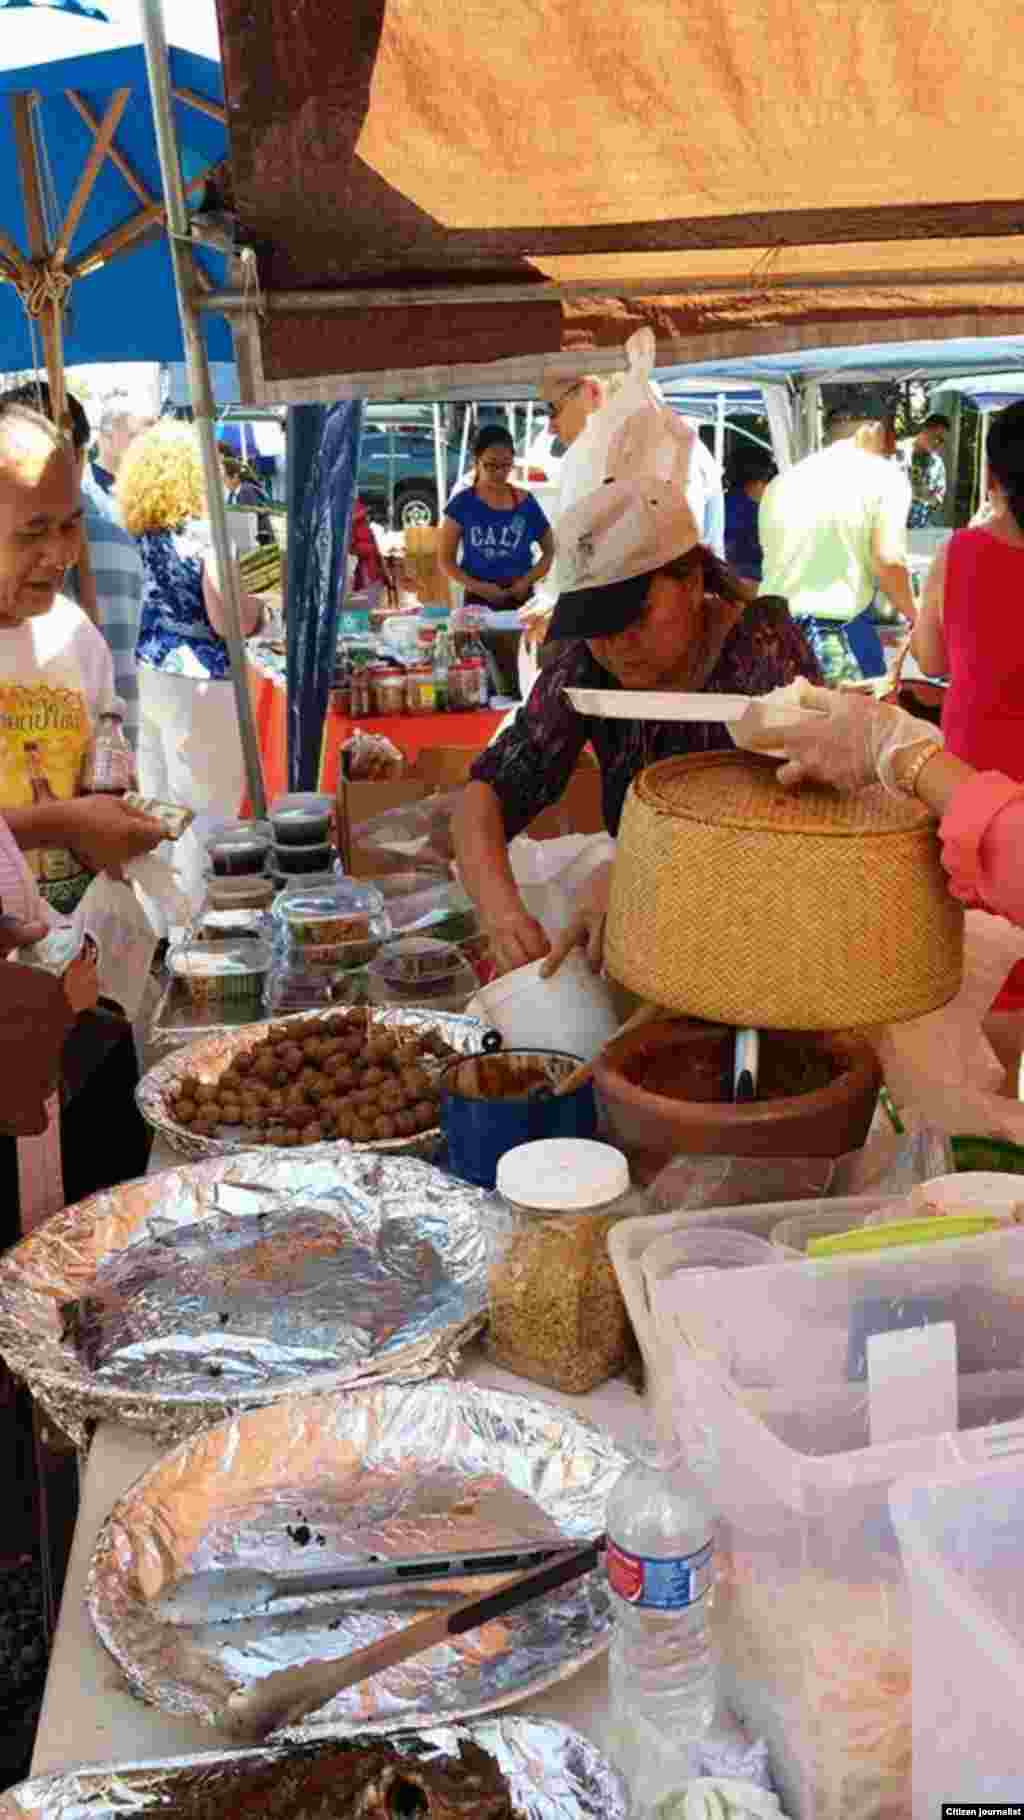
556, 409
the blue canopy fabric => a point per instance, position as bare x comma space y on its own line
76, 7
896, 360
323, 462
122, 305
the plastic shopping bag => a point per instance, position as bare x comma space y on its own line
125, 943
631, 435
942, 1064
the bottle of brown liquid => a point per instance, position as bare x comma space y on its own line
109, 769
62, 876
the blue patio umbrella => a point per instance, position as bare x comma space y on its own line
58, 6
85, 271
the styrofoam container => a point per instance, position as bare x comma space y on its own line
962, 1538
812, 1605
573, 1011
975, 1191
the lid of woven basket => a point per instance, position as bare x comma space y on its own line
737, 901
739, 790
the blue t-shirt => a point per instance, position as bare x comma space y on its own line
497, 545
742, 543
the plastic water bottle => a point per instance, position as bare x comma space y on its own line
663, 1671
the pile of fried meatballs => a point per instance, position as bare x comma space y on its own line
339, 1077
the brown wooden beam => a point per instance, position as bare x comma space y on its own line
13, 254
120, 239
201, 104
117, 159
90, 171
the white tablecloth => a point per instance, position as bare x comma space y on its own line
89, 1716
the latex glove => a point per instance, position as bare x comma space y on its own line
720, 1798
15, 933
832, 737
586, 930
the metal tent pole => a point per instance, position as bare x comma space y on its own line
440, 475
720, 429
155, 42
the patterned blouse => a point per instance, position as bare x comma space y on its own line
174, 631
529, 766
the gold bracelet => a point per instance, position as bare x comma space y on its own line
923, 755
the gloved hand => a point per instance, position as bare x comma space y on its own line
830, 736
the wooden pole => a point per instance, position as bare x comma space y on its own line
50, 316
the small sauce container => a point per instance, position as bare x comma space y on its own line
239, 856
301, 819
253, 893
298, 859
415, 959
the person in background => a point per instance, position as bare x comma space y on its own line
650, 608
114, 560
120, 422
920, 457
190, 748
749, 474
833, 526
967, 630
363, 546
490, 528
241, 488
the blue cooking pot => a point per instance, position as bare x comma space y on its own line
492, 1102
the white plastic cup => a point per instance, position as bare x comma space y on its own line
573, 1011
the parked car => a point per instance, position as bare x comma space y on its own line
397, 453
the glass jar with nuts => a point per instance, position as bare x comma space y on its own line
556, 1312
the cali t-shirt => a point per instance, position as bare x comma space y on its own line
56, 674
497, 545
817, 527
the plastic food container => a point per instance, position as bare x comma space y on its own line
252, 893
452, 992
574, 1009
346, 913
221, 974
301, 819
387, 687
300, 859
232, 926
239, 856
974, 1191
962, 1538
415, 959
813, 1614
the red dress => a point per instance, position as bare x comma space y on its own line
983, 626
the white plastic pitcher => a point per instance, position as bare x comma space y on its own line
573, 1011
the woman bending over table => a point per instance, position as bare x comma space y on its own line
651, 608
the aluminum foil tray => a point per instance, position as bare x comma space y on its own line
402, 1211
208, 1059
330, 1480
553, 1774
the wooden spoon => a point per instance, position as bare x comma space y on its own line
646, 1014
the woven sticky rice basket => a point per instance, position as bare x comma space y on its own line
739, 902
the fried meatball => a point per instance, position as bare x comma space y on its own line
266, 1068
184, 1111
205, 1127
425, 1112
385, 1128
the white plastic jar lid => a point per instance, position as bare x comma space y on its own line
563, 1175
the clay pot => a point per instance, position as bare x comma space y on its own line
685, 1109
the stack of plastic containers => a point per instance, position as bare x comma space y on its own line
302, 847
238, 853
803, 1391
962, 1538
321, 937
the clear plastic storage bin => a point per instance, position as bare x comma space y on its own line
963, 1545
773, 1408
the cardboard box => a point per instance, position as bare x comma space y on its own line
438, 770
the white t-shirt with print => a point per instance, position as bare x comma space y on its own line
817, 526
56, 675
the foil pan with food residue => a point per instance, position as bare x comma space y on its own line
170, 1301
552, 1772
336, 1481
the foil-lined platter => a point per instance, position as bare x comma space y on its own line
336, 1481
208, 1059
326, 1267
552, 1772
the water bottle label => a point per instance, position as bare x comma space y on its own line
659, 1584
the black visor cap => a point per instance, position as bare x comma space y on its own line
600, 612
